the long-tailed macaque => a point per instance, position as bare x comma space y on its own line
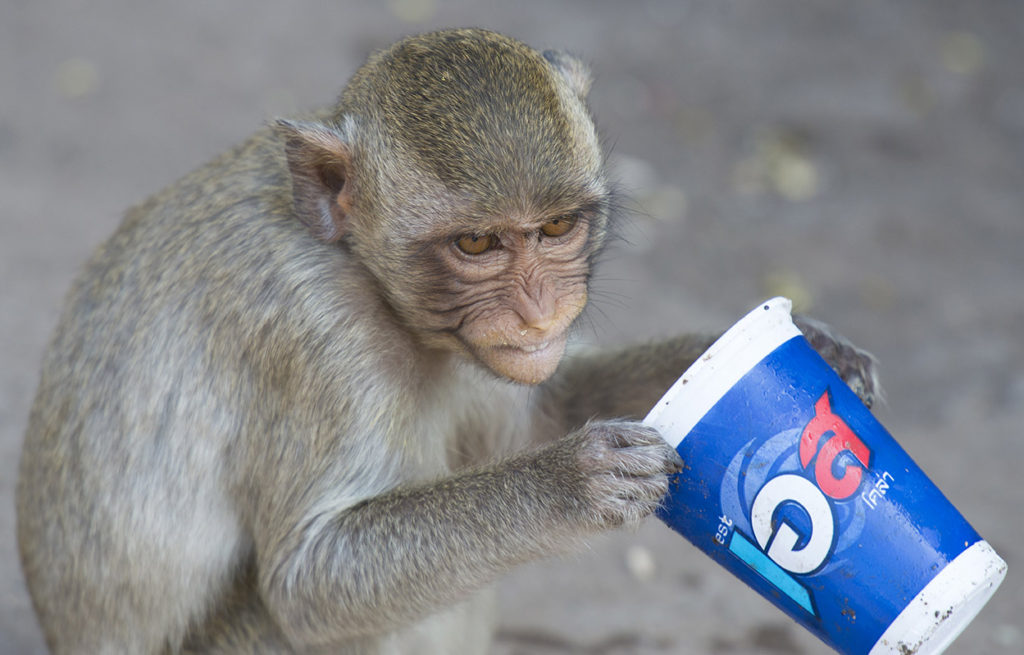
312, 396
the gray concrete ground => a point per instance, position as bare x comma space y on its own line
865, 158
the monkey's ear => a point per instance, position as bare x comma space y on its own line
572, 68
320, 162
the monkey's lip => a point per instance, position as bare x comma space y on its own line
532, 348
528, 363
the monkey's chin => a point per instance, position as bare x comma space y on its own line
525, 365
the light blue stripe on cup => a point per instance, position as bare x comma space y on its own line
769, 570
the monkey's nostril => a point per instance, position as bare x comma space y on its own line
541, 324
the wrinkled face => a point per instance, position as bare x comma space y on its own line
507, 296
500, 282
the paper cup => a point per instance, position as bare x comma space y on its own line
792, 485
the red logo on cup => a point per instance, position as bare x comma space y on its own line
842, 439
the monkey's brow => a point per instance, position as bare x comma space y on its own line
592, 208
584, 208
483, 228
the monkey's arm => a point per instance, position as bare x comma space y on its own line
627, 382
621, 382
350, 572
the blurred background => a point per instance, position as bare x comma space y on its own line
865, 159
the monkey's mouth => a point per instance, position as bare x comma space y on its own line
534, 348
525, 363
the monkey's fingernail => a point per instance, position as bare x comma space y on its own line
677, 462
522, 333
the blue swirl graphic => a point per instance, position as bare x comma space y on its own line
757, 463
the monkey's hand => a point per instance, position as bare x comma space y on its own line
618, 471
856, 367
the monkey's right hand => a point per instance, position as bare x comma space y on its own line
618, 471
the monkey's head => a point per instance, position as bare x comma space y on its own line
464, 171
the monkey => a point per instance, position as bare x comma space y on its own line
315, 396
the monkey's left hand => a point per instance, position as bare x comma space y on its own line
858, 368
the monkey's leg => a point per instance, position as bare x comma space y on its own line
240, 624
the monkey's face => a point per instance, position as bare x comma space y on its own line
473, 189
507, 296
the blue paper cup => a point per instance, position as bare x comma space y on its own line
794, 486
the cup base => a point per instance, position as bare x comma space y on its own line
947, 604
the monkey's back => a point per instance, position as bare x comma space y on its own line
127, 522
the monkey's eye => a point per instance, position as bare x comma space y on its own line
558, 226
476, 245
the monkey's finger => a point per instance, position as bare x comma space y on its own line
649, 460
639, 434
856, 367
629, 505
641, 489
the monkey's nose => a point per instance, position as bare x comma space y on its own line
536, 311
536, 322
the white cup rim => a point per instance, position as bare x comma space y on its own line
729, 358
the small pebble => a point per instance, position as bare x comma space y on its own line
963, 53
788, 283
76, 77
412, 11
666, 203
1008, 636
795, 178
640, 563
779, 164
